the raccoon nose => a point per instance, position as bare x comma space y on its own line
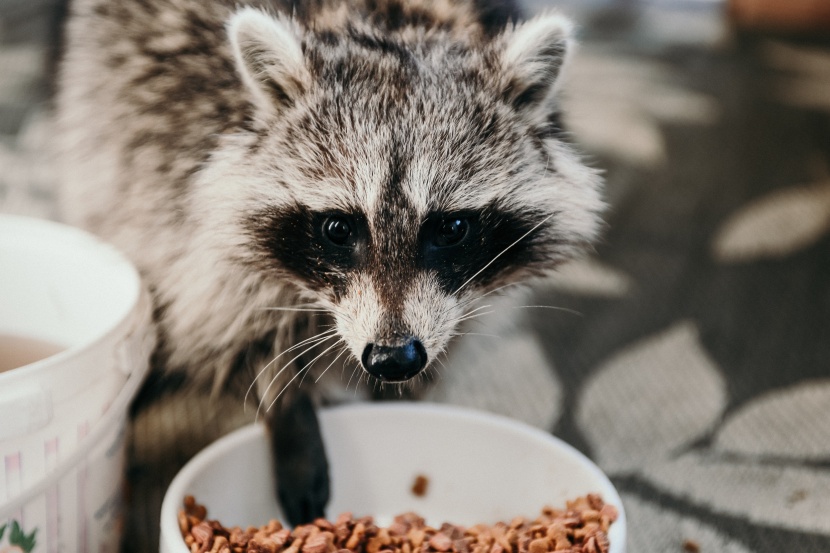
395, 363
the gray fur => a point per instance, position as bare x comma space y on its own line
189, 129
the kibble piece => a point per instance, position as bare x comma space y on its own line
357, 536
691, 546
440, 542
420, 486
539, 545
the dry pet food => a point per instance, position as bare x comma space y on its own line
581, 527
420, 485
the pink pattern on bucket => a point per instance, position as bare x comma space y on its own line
51, 451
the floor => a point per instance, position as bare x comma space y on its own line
691, 360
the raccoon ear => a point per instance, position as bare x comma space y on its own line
533, 57
269, 58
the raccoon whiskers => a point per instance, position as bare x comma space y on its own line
478, 334
354, 370
493, 291
303, 370
343, 350
473, 299
458, 319
498, 255
472, 314
432, 369
293, 309
288, 364
318, 337
565, 309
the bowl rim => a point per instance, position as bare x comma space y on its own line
229, 442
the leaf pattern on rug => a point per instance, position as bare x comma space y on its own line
789, 496
646, 411
775, 225
507, 375
792, 423
654, 529
804, 77
650, 400
590, 277
644, 94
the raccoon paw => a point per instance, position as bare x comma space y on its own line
303, 495
299, 460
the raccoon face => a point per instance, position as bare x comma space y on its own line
395, 179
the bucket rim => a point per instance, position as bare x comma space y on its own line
122, 322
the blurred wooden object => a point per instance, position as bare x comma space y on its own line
784, 15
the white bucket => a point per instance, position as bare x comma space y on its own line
62, 418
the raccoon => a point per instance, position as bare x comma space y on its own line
315, 184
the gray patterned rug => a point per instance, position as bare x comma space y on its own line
691, 360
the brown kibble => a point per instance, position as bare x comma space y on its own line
603, 543
198, 511
357, 535
321, 543
539, 545
557, 530
609, 511
420, 486
594, 501
581, 528
398, 527
219, 543
440, 542
517, 522
590, 515
416, 537
462, 545
562, 544
590, 546
378, 542
202, 533
691, 546
184, 524
323, 524
497, 548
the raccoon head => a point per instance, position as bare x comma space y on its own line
394, 177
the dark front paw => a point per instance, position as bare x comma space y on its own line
303, 494
300, 465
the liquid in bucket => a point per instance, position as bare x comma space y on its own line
18, 351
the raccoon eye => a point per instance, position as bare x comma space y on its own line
451, 232
337, 230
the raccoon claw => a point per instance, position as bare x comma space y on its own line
300, 464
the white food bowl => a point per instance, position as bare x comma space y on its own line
62, 418
481, 468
